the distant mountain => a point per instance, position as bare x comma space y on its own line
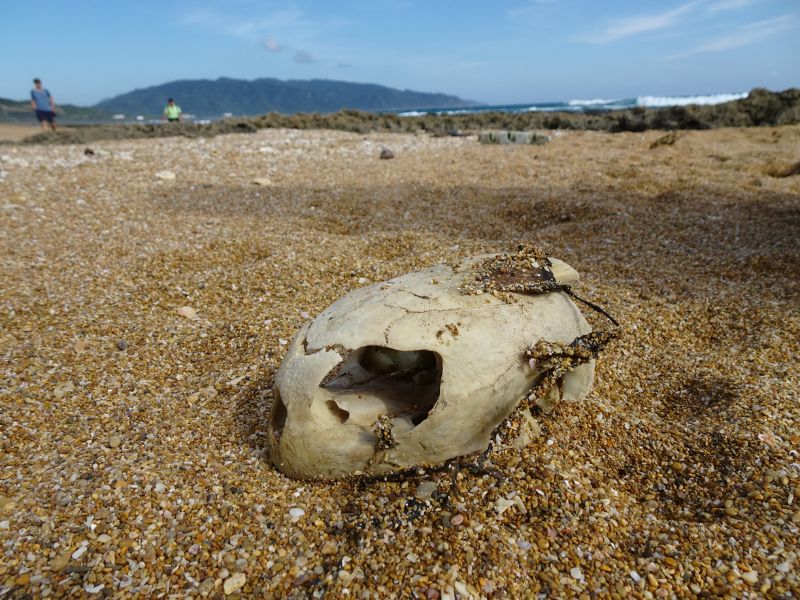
204, 97
20, 111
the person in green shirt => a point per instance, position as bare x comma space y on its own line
173, 112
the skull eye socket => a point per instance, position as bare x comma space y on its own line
376, 380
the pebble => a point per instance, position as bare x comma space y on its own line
296, 513
165, 175
329, 547
501, 505
262, 181
462, 589
750, 577
115, 441
63, 389
187, 312
386, 154
234, 583
426, 489
206, 586
61, 560
576, 573
122, 345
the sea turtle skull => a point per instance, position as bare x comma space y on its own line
415, 370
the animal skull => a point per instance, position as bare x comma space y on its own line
414, 371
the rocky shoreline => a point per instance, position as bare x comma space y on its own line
760, 108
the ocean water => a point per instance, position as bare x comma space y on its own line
575, 106
594, 104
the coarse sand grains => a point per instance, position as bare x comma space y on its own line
144, 316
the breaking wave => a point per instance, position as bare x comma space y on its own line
662, 101
592, 102
580, 105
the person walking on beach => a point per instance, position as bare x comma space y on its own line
173, 112
43, 104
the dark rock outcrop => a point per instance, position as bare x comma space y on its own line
760, 108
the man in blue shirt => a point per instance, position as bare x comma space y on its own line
44, 105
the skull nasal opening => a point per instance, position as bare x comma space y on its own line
279, 414
375, 380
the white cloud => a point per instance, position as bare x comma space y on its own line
743, 36
298, 32
631, 26
289, 24
724, 5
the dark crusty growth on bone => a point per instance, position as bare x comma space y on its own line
549, 355
526, 271
382, 430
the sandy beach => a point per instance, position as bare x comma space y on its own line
13, 132
132, 430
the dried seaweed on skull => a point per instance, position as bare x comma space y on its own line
382, 430
528, 271
556, 359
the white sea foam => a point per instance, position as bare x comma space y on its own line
592, 102
661, 101
552, 108
587, 105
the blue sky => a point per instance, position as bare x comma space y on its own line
504, 51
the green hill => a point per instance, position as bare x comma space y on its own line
20, 111
209, 98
